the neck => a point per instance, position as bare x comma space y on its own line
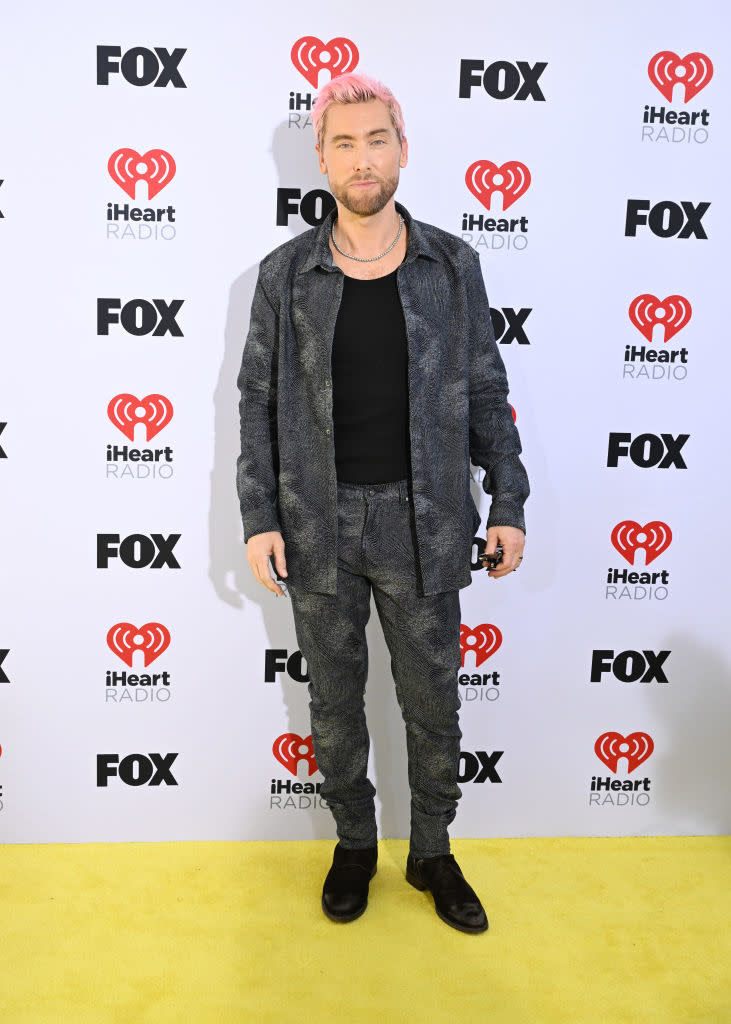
366, 235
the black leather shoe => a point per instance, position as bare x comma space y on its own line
455, 901
345, 892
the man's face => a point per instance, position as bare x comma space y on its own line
361, 155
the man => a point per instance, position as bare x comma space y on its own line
369, 380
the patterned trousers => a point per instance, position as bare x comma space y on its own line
376, 551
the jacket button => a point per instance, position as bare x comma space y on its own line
327, 383
327, 431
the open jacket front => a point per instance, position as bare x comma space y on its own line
458, 408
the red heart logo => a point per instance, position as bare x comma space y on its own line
647, 310
289, 749
127, 167
152, 639
484, 640
628, 537
126, 411
636, 747
483, 178
310, 55
666, 69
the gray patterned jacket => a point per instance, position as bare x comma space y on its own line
458, 407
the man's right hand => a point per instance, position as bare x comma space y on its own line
258, 549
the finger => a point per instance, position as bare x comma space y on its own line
507, 565
512, 555
503, 572
492, 540
265, 577
280, 563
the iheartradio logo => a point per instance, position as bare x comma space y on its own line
647, 311
152, 639
484, 178
666, 70
289, 749
310, 55
126, 411
484, 640
653, 538
636, 747
127, 167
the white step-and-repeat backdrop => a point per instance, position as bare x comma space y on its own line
151, 155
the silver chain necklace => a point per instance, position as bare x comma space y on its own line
367, 259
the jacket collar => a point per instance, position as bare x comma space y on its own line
321, 256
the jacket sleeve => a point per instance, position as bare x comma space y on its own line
493, 437
257, 467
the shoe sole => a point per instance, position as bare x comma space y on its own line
345, 918
412, 880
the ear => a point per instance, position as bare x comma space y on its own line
404, 152
323, 165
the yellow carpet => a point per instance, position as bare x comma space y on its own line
582, 931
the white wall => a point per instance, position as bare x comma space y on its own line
229, 133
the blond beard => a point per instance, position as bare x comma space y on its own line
367, 205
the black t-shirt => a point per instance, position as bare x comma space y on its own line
370, 385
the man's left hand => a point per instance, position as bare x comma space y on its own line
513, 542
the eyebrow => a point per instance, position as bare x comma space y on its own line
376, 131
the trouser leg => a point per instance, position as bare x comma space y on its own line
422, 635
331, 636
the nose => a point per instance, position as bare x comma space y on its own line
361, 158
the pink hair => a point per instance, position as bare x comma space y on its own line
354, 88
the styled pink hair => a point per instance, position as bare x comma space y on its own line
354, 88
